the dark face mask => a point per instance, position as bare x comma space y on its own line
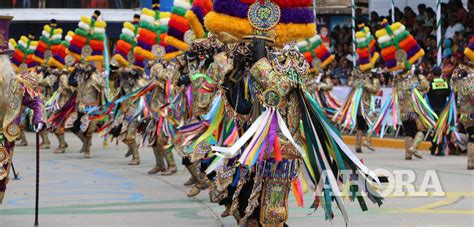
259, 50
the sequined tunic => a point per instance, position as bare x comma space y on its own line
66, 91
404, 88
275, 88
89, 91
464, 88
18, 95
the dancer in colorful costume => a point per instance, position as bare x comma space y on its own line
162, 124
64, 99
409, 90
178, 30
22, 60
462, 83
196, 60
223, 84
161, 128
203, 50
87, 47
129, 78
399, 48
48, 44
400, 51
359, 109
15, 91
210, 96
319, 57
133, 49
270, 148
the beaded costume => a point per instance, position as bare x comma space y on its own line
64, 99
359, 109
269, 155
161, 127
15, 91
87, 47
400, 51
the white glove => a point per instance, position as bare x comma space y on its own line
39, 127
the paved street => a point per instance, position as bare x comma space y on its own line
105, 191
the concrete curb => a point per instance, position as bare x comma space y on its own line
387, 143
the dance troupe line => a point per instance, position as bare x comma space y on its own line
238, 89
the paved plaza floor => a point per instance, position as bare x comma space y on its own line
105, 191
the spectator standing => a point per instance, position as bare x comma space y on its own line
430, 21
459, 9
410, 18
55, 3
374, 21
421, 13
454, 26
118, 4
360, 16
26, 4
421, 31
469, 19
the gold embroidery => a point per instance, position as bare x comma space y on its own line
15, 95
4, 161
3, 41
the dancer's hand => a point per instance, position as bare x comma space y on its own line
39, 127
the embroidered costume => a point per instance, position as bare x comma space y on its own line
15, 92
87, 47
400, 51
50, 42
461, 111
161, 127
288, 135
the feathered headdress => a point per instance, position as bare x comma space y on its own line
367, 56
178, 28
399, 49
88, 41
315, 52
162, 19
147, 37
195, 17
49, 42
22, 59
124, 51
469, 51
61, 58
230, 17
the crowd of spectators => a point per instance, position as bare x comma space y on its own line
457, 26
92, 4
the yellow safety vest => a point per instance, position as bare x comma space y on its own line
438, 84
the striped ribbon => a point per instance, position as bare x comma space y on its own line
354, 56
446, 121
107, 69
438, 31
